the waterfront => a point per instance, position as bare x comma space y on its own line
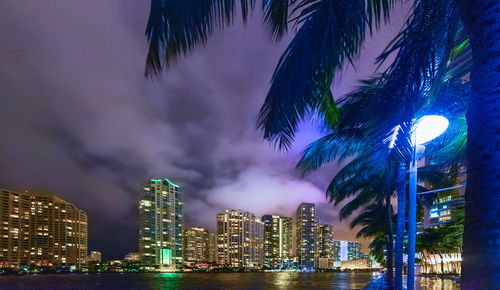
281, 280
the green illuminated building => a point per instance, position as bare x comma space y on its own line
160, 224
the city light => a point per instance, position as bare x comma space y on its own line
430, 127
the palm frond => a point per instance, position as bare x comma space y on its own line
433, 175
301, 82
364, 197
377, 246
373, 219
378, 9
337, 145
367, 124
452, 103
421, 47
176, 27
348, 180
328, 111
276, 16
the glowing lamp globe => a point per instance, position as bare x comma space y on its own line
430, 127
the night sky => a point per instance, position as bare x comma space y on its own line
79, 119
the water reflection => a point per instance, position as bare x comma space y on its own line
167, 280
270, 280
436, 283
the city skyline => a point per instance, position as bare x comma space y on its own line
190, 141
91, 128
209, 229
41, 229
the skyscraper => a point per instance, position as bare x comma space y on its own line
277, 240
198, 246
160, 223
346, 250
323, 250
240, 239
41, 229
305, 222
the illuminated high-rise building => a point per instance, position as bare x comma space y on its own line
198, 246
160, 224
240, 240
41, 229
305, 222
346, 250
277, 240
213, 248
323, 247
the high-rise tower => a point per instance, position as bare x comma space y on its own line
305, 222
160, 223
277, 240
41, 229
240, 239
198, 246
324, 243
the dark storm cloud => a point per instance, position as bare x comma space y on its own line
78, 118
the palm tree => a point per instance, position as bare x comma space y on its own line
377, 222
329, 34
377, 168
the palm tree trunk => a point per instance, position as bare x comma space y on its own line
390, 243
400, 228
481, 239
442, 263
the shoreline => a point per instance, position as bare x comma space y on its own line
175, 272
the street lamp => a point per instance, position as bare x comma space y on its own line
426, 129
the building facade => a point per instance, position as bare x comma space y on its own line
277, 241
346, 250
198, 246
305, 223
364, 263
240, 240
94, 256
160, 224
324, 244
442, 207
41, 229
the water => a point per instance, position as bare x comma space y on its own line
436, 283
283, 280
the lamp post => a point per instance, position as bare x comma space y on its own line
426, 129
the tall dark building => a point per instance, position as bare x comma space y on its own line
305, 222
323, 252
160, 224
277, 240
